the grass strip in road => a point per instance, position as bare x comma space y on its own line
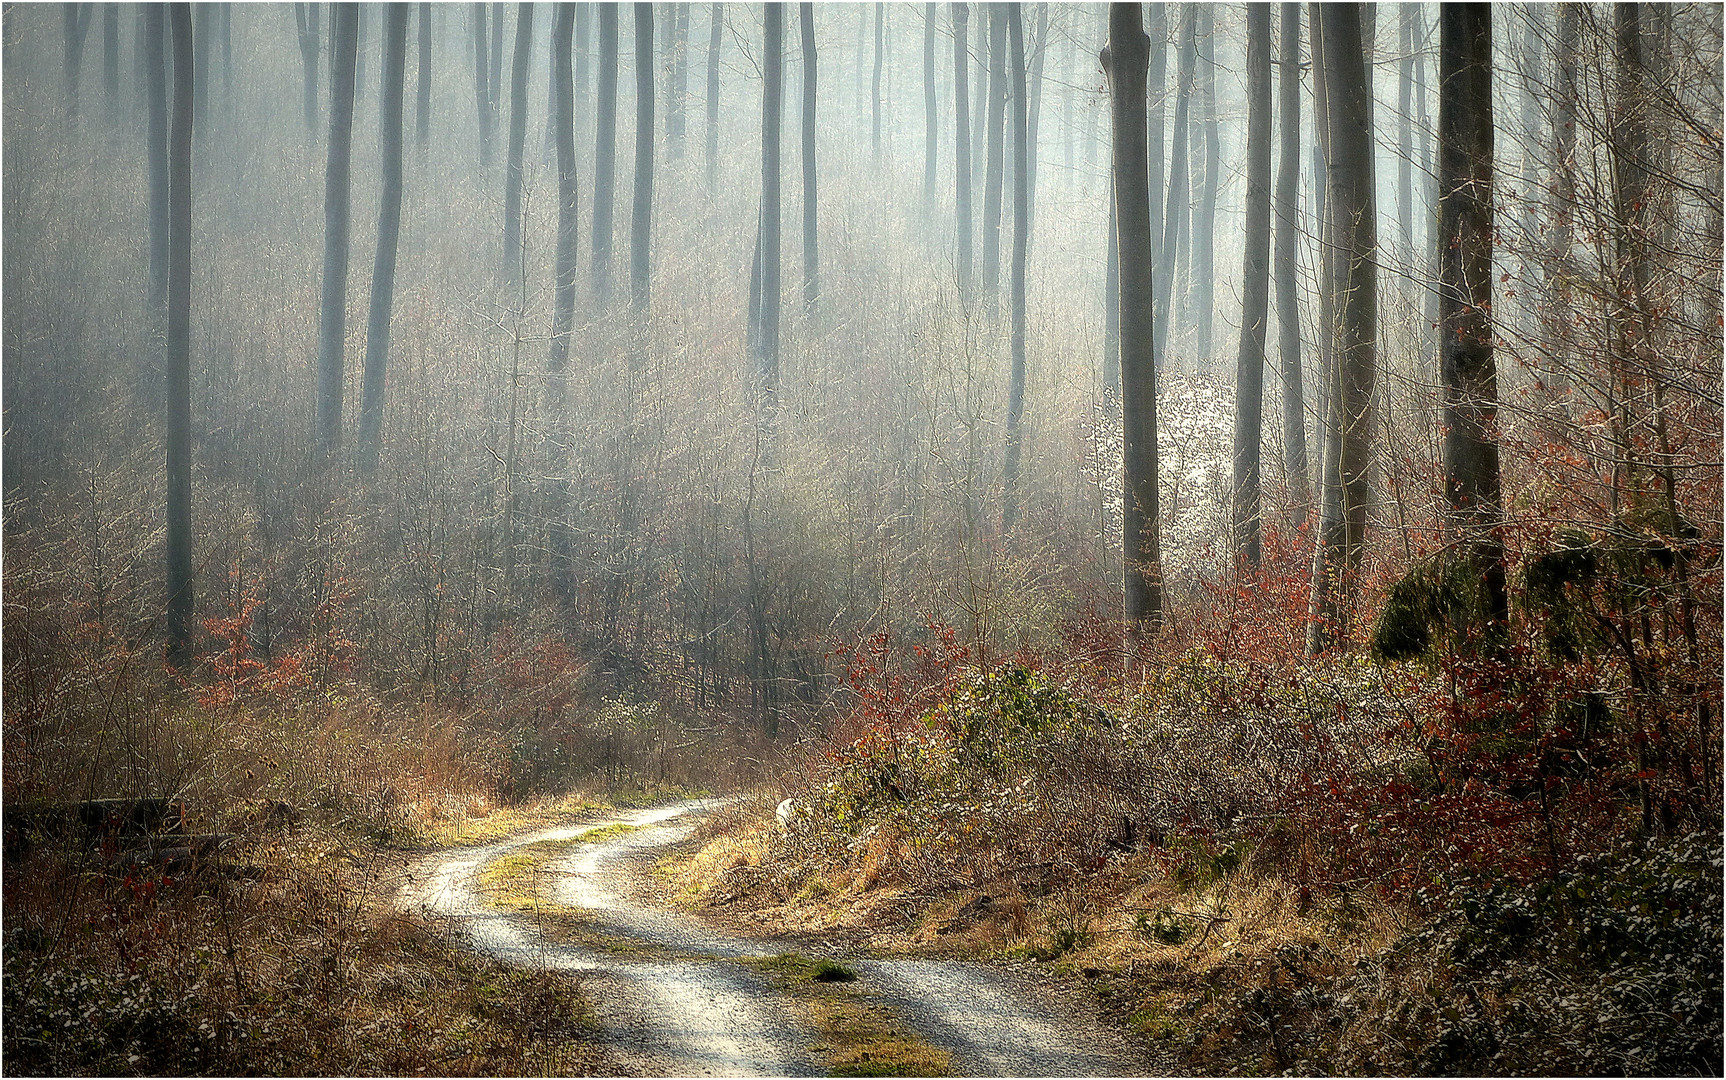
858, 1037
514, 882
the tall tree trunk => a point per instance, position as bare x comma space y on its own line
390, 95
203, 29
333, 309
1177, 208
980, 106
604, 155
875, 85
716, 34
481, 88
1016, 286
156, 131
677, 82
641, 220
1112, 305
563, 290
568, 217
930, 141
1468, 375
179, 419
227, 10
1255, 291
1204, 223
1034, 103
306, 22
512, 253
1295, 472
1349, 174
1157, 29
111, 64
962, 149
1126, 59
1405, 131
811, 260
992, 183
1427, 191
772, 113
494, 83
76, 18
1562, 193
422, 104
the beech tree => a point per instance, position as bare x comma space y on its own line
604, 156
482, 92
1177, 208
422, 99
716, 32
930, 126
992, 184
641, 220
875, 84
179, 357
512, 255
306, 22
768, 234
961, 150
111, 64
1202, 291
389, 233
76, 19
156, 133
1255, 292
1126, 59
1295, 474
333, 309
811, 261
1016, 286
1340, 58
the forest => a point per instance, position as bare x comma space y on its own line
1216, 505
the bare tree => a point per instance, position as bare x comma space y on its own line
568, 217
992, 184
422, 105
677, 79
512, 256
156, 131
1203, 291
715, 34
962, 149
482, 92
1340, 58
1177, 209
930, 141
604, 155
1255, 291
875, 86
1468, 374
641, 220
179, 419
111, 64
1295, 472
1016, 286
811, 260
1126, 59
333, 308
389, 233
768, 239
76, 19
306, 22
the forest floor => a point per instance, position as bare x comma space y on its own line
676, 993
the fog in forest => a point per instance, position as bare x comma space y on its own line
416, 406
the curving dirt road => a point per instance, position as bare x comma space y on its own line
669, 1005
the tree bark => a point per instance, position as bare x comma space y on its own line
389, 233
203, 29
1126, 59
1562, 194
1016, 286
641, 222
1405, 131
1349, 174
156, 131
1255, 291
772, 112
111, 64
1203, 291
422, 105
179, 356
962, 149
930, 141
1155, 94
604, 155
1178, 207
992, 183
1295, 472
494, 83
716, 33
811, 260
568, 207
481, 89
875, 85
1468, 374
1112, 305
512, 253
677, 82
76, 18
333, 310
306, 22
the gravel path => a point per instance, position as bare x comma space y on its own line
680, 1010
